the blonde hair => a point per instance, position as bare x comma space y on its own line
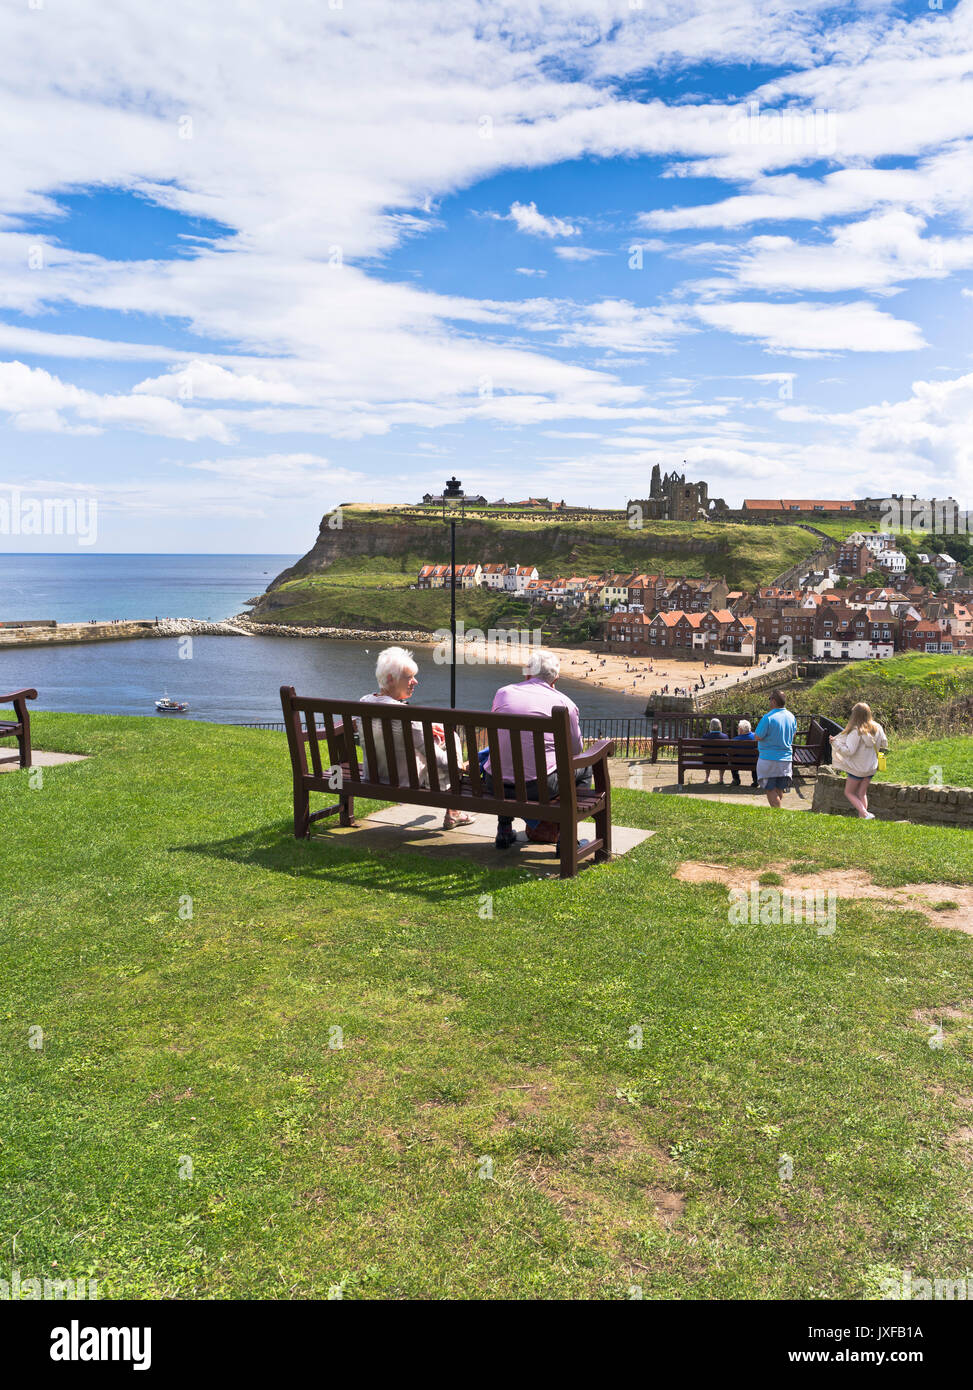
860, 720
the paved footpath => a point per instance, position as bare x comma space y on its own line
641, 775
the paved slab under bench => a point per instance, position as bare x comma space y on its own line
10, 759
413, 828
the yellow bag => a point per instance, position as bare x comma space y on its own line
882, 761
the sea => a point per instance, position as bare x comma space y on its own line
227, 680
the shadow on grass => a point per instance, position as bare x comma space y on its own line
396, 871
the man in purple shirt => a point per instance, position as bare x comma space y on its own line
535, 695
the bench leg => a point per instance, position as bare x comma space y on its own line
23, 743
346, 815
302, 814
569, 850
603, 830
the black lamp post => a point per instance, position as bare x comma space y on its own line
453, 498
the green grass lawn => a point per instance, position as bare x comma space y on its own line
190, 1129
940, 761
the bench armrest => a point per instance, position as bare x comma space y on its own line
603, 749
18, 695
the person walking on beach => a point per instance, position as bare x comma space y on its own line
855, 751
775, 734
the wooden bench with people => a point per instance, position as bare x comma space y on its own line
432, 757
19, 728
734, 755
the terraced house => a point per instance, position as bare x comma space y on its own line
852, 634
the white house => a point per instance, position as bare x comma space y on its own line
518, 577
494, 576
853, 649
892, 560
877, 541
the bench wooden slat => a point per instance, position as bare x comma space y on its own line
408, 743
432, 766
540, 767
368, 745
455, 776
496, 766
473, 759
517, 757
350, 751
314, 743
388, 742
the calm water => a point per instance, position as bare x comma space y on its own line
238, 679
227, 679
74, 587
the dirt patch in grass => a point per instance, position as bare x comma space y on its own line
958, 1012
927, 898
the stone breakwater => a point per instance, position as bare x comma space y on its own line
123, 630
249, 628
240, 626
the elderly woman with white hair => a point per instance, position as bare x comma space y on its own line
534, 695
396, 674
744, 734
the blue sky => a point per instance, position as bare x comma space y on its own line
254, 266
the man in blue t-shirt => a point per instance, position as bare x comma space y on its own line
775, 734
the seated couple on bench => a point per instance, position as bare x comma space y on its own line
396, 673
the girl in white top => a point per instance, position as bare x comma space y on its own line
855, 752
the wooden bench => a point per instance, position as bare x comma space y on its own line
337, 769
19, 728
715, 754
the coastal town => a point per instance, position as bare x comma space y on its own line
867, 604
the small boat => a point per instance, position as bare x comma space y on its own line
167, 706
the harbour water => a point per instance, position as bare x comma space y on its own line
224, 679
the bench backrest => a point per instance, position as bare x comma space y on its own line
389, 730
722, 751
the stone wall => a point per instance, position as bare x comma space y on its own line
890, 801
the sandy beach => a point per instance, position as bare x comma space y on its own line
628, 675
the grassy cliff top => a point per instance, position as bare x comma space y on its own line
384, 551
911, 692
189, 963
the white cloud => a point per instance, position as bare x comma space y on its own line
526, 218
35, 400
805, 328
577, 253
